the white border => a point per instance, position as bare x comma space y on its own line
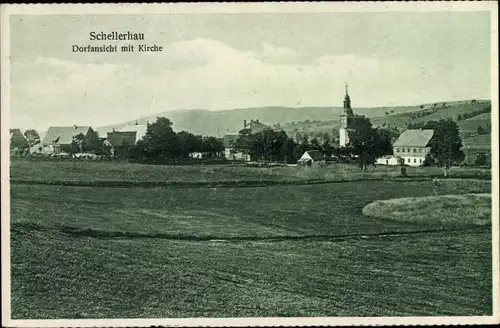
81, 9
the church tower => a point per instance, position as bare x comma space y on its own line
345, 120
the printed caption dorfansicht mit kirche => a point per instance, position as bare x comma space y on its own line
117, 36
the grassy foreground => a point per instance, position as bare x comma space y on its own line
88, 252
29, 171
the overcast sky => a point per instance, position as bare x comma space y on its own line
229, 61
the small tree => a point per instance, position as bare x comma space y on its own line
91, 142
429, 160
446, 142
32, 137
77, 144
480, 130
481, 159
365, 141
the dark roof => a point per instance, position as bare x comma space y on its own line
414, 138
256, 126
119, 138
63, 135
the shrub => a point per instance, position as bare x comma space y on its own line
481, 159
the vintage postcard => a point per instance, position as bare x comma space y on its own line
249, 164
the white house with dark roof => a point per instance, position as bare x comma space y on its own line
311, 157
412, 146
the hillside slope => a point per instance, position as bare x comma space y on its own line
216, 123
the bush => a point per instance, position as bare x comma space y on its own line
481, 159
429, 161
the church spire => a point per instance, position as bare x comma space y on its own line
347, 101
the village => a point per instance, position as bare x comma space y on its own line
413, 147
288, 167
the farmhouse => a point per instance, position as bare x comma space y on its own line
59, 138
120, 142
413, 146
230, 152
139, 129
311, 157
17, 140
229, 140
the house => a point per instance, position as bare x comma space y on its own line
413, 146
59, 138
230, 153
139, 129
18, 142
120, 142
311, 157
389, 160
255, 126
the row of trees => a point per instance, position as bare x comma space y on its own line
366, 142
161, 143
90, 143
465, 116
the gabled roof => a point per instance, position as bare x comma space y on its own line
63, 135
256, 126
315, 155
118, 138
414, 138
140, 130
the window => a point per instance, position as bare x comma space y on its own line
408, 150
420, 160
409, 160
403, 150
414, 160
414, 150
420, 150
397, 149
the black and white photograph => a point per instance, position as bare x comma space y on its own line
249, 164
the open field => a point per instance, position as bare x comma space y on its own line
289, 250
25, 170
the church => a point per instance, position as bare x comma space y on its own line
345, 120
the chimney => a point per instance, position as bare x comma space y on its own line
244, 123
74, 127
136, 122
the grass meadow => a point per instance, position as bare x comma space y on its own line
85, 173
276, 250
